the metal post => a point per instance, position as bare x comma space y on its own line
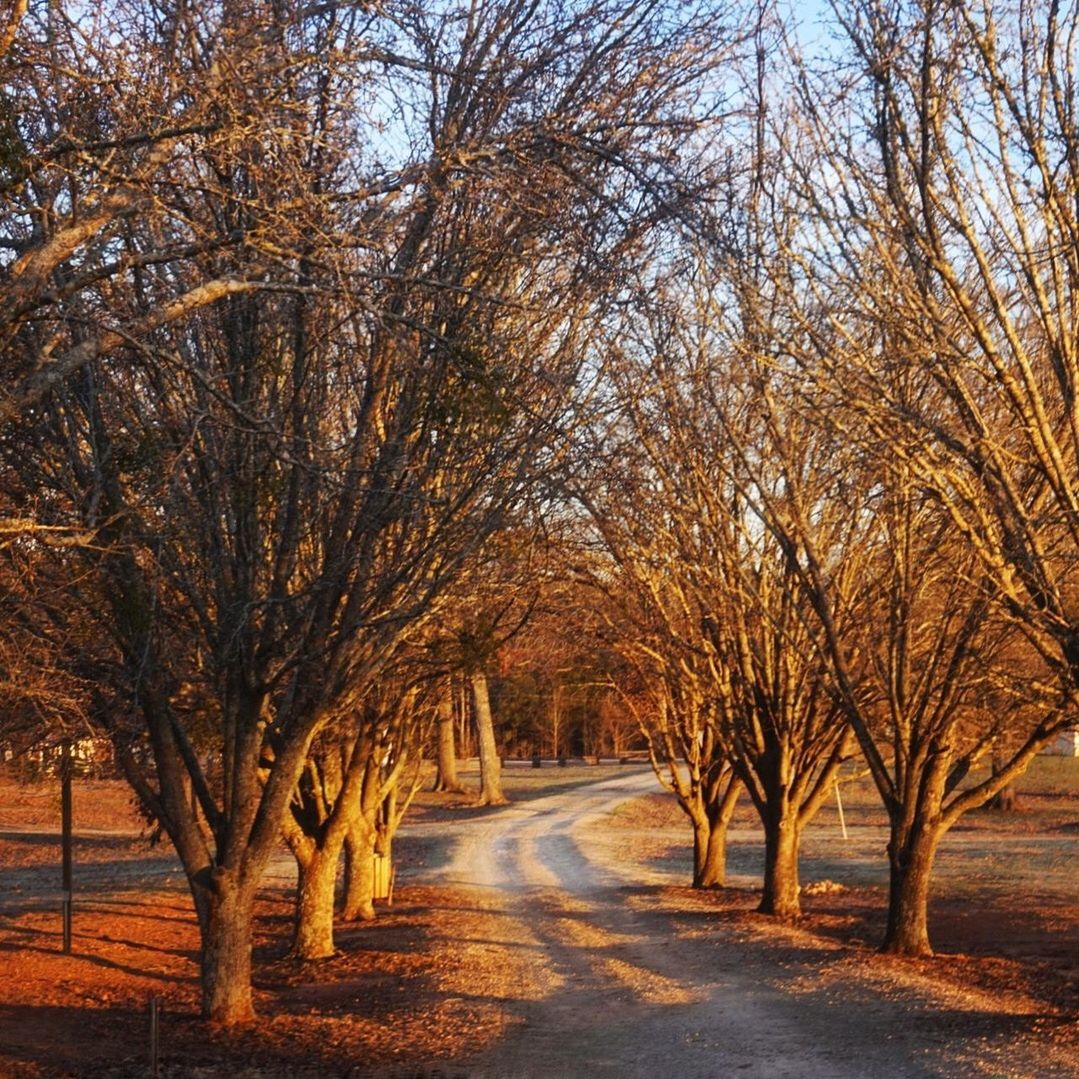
155, 1042
65, 838
65, 915
839, 806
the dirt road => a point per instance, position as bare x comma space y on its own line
544, 939
629, 984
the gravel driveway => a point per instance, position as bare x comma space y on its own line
638, 988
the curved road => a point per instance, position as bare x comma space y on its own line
622, 982
634, 988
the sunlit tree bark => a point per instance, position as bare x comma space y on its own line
446, 763
678, 718
710, 458
289, 369
933, 288
491, 793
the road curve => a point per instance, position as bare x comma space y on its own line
642, 990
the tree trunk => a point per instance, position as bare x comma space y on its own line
490, 766
1005, 800
359, 901
556, 720
709, 854
782, 837
360, 836
710, 834
446, 775
910, 859
465, 736
225, 959
313, 930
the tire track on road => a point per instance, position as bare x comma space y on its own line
632, 998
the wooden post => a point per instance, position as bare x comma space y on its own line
155, 1037
65, 839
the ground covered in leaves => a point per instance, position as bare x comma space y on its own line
432, 984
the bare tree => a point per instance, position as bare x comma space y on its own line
281, 483
446, 761
705, 464
491, 793
941, 672
91, 155
351, 798
677, 715
932, 276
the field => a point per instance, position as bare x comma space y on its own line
401, 998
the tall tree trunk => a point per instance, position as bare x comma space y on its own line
556, 720
782, 838
911, 851
446, 775
313, 927
360, 837
225, 909
466, 742
490, 766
